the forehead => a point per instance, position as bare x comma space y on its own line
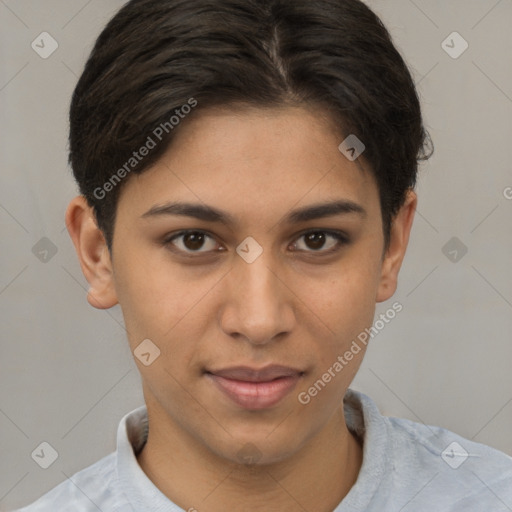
254, 161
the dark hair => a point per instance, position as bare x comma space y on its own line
156, 61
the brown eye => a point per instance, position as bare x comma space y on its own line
315, 241
192, 242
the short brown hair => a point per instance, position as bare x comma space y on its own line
156, 57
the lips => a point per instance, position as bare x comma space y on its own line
253, 388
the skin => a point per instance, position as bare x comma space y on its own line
293, 305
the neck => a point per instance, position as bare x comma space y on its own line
194, 478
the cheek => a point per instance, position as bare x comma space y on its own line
171, 307
346, 305
157, 296
346, 299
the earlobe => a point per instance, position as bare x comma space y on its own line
399, 238
92, 252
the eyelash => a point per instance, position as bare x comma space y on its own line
341, 237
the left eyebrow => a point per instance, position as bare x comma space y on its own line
321, 210
212, 214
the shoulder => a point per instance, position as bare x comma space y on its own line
88, 490
412, 466
470, 473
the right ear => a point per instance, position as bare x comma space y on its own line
93, 253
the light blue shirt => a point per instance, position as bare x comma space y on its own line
407, 467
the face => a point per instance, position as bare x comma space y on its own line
255, 272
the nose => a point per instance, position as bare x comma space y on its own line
257, 306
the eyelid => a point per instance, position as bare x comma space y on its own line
341, 236
167, 241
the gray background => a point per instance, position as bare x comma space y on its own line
67, 375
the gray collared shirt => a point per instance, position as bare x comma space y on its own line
407, 467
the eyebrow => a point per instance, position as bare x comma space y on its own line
212, 214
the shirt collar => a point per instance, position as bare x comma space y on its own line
140, 491
361, 414
364, 419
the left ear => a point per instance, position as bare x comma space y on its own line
398, 240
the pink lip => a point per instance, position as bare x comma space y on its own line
256, 389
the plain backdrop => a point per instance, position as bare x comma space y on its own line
67, 374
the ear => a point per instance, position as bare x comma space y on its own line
93, 253
398, 240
